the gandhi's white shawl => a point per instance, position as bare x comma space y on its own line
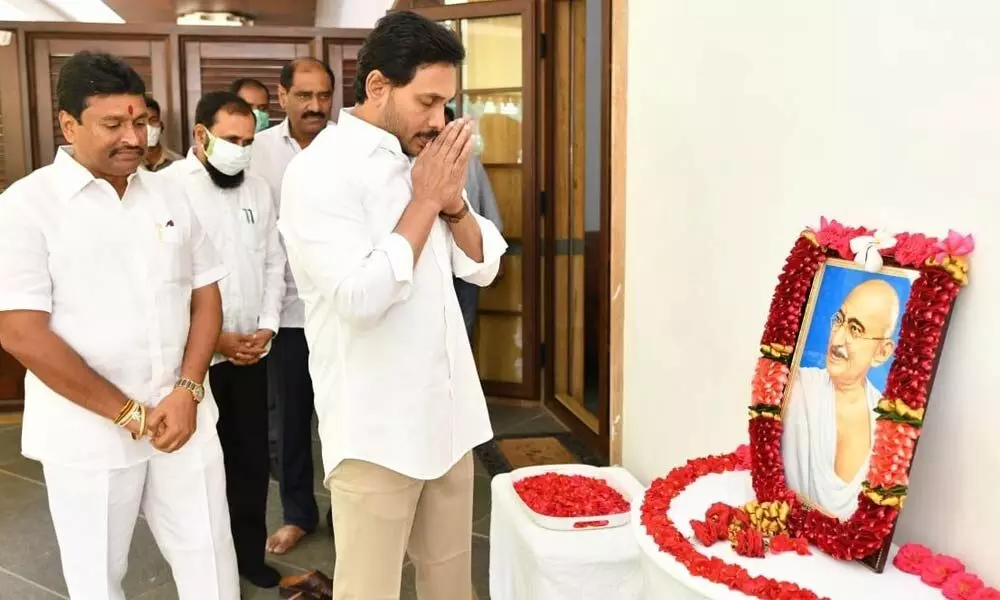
809, 443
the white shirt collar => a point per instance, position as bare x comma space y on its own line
73, 176
364, 136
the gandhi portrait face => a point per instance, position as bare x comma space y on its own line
861, 332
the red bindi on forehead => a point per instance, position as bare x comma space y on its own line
131, 110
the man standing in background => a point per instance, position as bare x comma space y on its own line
238, 215
305, 91
483, 203
157, 155
256, 95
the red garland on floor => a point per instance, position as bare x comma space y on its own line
654, 517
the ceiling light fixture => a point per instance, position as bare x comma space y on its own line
225, 19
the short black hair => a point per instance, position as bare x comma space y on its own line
87, 74
243, 82
152, 104
401, 43
213, 102
288, 71
449, 114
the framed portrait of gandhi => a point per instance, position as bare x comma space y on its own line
847, 343
848, 359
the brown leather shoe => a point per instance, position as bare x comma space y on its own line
314, 585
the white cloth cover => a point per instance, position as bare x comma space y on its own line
528, 562
826, 576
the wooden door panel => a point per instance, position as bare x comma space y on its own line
11, 378
506, 295
343, 60
211, 66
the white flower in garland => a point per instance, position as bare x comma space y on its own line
867, 249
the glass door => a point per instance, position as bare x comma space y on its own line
496, 89
577, 260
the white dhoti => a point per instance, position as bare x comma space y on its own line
809, 443
183, 497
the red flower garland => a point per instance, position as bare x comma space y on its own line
901, 411
943, 269
654, 517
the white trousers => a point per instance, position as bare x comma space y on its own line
183, 497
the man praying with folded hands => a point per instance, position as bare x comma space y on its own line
373, 249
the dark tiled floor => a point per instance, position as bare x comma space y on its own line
29, 556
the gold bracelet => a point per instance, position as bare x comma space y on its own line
142, 423
124, 413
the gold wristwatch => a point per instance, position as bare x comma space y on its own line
197, 390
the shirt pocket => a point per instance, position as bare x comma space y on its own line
173, 257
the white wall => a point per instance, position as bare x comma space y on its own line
350, 13
746, 122
85, 11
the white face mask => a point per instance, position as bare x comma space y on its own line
152, 135
226, 156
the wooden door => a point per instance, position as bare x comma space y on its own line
12, 167
497, 89
342, 56
210, 66
577, 260
147, 57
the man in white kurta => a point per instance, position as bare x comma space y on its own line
108, 296
305, 92
237, 212
374, 238
829, 419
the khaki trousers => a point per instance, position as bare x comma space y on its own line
379, 516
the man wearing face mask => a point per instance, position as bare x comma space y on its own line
305, 91
256, 95
236, 211
157, 155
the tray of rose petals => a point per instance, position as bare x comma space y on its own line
571, 497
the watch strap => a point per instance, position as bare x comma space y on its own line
197, 390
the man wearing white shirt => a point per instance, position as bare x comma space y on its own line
236, 210
305, 92
108, 297
374, 248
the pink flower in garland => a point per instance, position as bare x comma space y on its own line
833, 234
914, 250
769, 381
986, 593
744, 457
892, 453
961, 586
940, 569
912, 558
955, 244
